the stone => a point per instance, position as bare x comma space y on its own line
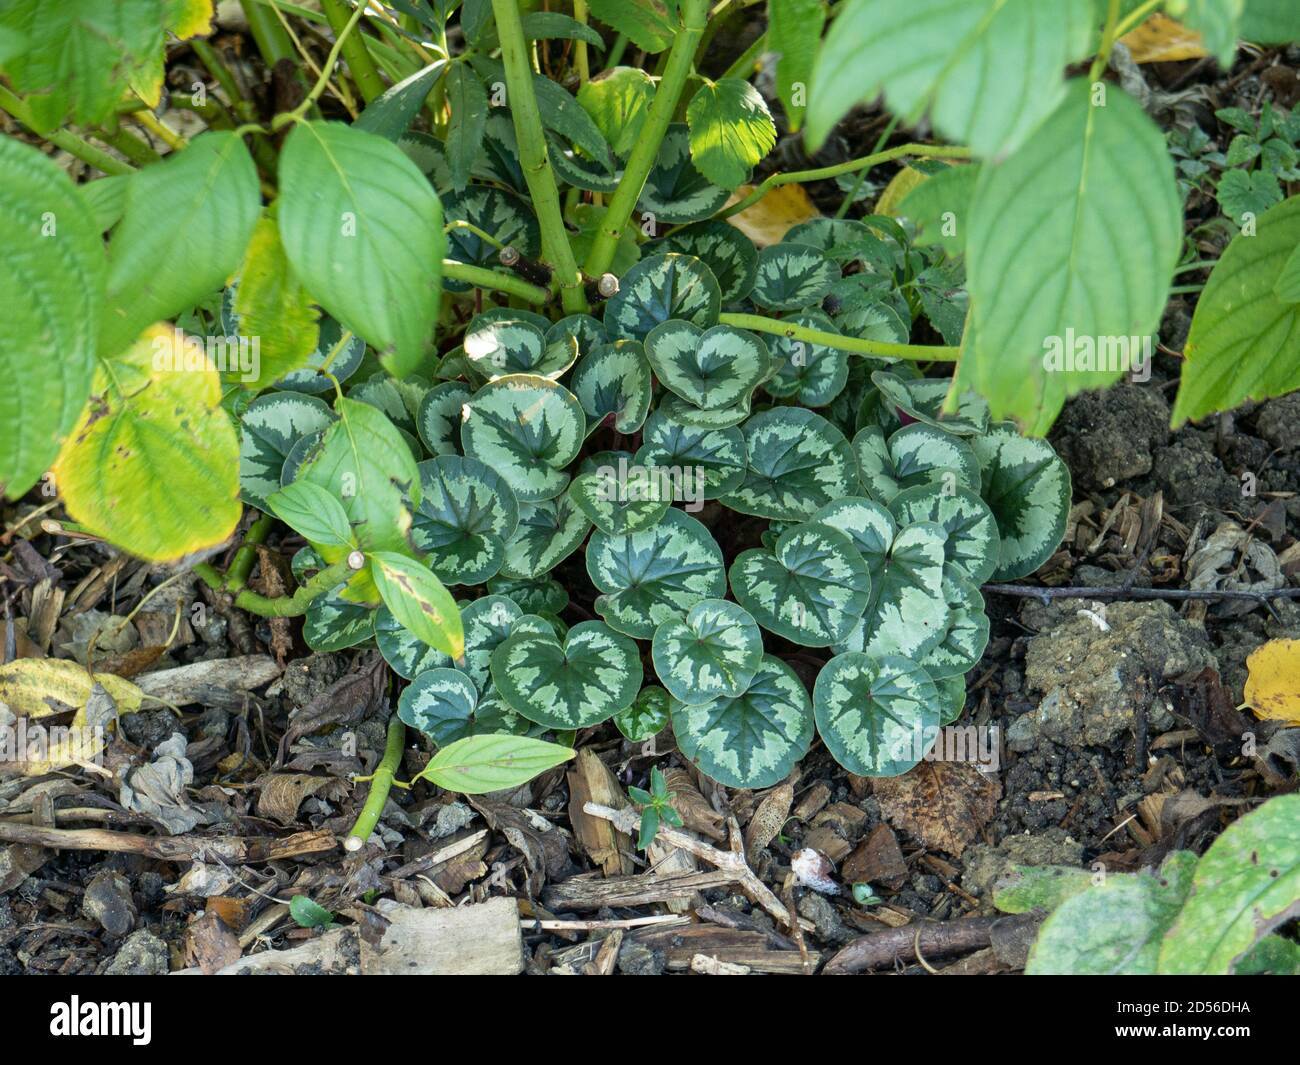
142, 954
986, 865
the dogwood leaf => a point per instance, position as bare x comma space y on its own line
476, 765
731, 130
419, 601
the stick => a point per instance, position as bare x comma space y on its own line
934, 939
1046, 595
171, 848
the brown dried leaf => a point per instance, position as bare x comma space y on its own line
942, 804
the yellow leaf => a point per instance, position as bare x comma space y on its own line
1162, 40
774, 215
1273, 686
896, 191
35, 688
153, 464
189, 18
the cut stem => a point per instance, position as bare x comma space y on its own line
482, 277
380, 785
285, 606
880, 349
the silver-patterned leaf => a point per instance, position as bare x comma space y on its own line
268, 431
647, 716
710, 368
333, 623
592, 676
923, 398
613, 381
406, 653
966, 519
754, 739
869, 525
812, 589
528, 429
547, 534
439, 417
967, 632
713, 652
660, 288
499, 346
586, 330
877, 716
952, 697
535, 595
713, 458
792, 277
619, 496
675, 192
466, 514
813, 374
688, 413
343, 356
917, 454
723, 248
503, 214
797, 462
652, 575
440, 703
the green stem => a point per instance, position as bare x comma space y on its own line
532, 155
616, 52
381, 783
61, 138
676, 72
481, 277
911, 353
747, 59
284, 606
921, 151
1108, 37
355, 52
268, 34
580, 46
242, 565
852, 197
1136, 17
131, 146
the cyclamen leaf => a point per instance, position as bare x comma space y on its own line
419, 601
647, 716
712, 653
915, 455
675, 191
440, 703
967, 632
612, 381
715, 458
660, 288
494, 211
621, 501
548, 533
480, 764
754, 739
466, 514
812, 374
311, 511
335, 624
792, 277
798, 462
711, 368
57, 287
334, 345
972, 540
438, 420
363, 229
723, 248
269, 429
923, 398
731, 130
500, 346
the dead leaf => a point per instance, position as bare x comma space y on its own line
878, 861
942, 804
768, 819
1273, 686
591, 781
897, 191
1162, 40
768, 221
210, 944
345, 702
283, 793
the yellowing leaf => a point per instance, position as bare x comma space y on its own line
896, 191
774, 215
152, 464
1273, 686
189, 18
1162, 40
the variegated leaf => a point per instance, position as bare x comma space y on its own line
712, 458
812, 589
723, 248
710, 368
439, 417
547, 534
268, 430
406, 653
652, 575
792, 277
675, 192
952, 697
589, 332
647, 716
660, 288
500, 346
967, 633
812, 374
467, 512
877, 716
713, 652
619, 496
923, 399
440, 703
534, 595
494, 211
528, 429
592, 676
613, 381
869, 525
917, 454
688, 413
752, 740
399, 399
1027, 487
797, 462
966, 519
333, 623
344, 357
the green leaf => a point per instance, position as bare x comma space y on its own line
494, 211
877, 716
612, 382
915, 455
480, 764
619, 497
335, 624
792, 277
970, 527
754, 739
812, 589
794, 30
469, 109
715, 458
812, 374
551, 25
675, 192
731, 130
1271, 22
1245, 332
594, 675
655, 574
268, 431
1076, 235
78, 57
344, 358
438, 419
363, 229
868, 524
311, 511
618, 101
1243, 194
528, 429
644, 22
486, 622
966, 634
679, 410
713, 652
798, 462
106, 198
932, 55
418, 600
466, 514
940, 206
1245, 886
1287, 286
723, 248
209, 193
390, 115
121, 473
309, 914
1114, 928
659, 288
52, 264
548, 533
712, 368
1044, 888
440, 703
1027, 487
537, 596
647, 716
923, 398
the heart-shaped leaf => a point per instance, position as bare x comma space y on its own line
589, 332
710, 368
812, 589
341, 349
967, 633
655, 574
752, 740
440, 703
647, 716
268, 430
547, 534
688, 413
869, 525
723, 248
877, 716
798, 462
923, 398
613, 381
494, 211
499, 346
792, 277
811, 373
406, 653
528, 429
618, 496
399, 399
1027, 487
952, 697
972, 532
467, 512
536, 596
660, 288
439, 417
594, 675
333, 623
675, 192
717, 457
917, 454
713, 652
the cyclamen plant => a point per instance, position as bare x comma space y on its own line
597, 312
